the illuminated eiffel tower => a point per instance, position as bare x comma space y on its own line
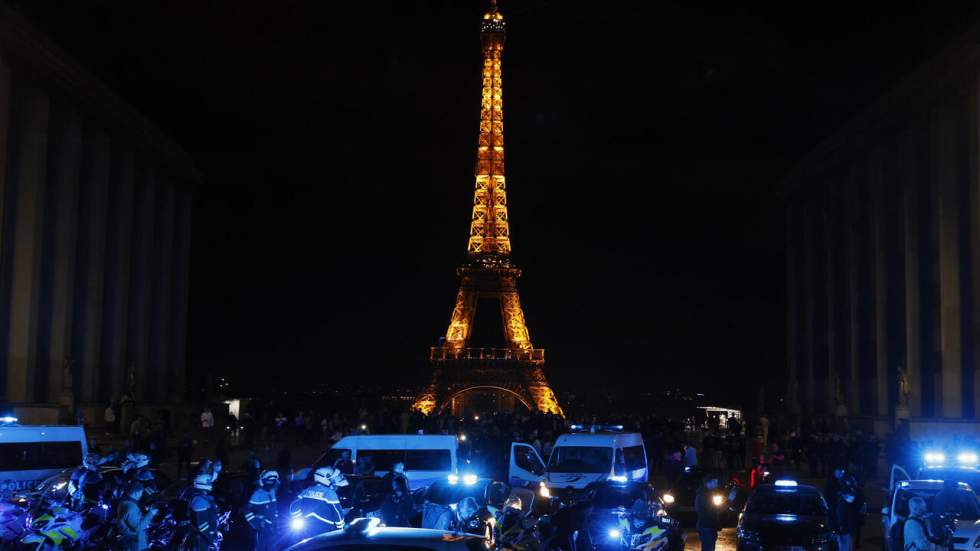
512, 371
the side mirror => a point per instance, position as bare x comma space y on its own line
885, 511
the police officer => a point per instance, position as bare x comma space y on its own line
86, 483
319, 505
261, 511
203, 515
708, 505
136, 467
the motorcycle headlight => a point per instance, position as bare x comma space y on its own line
669, 499
297, 524
543, 491
615, 533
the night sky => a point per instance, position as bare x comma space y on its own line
645, 144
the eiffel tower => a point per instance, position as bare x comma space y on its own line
513, 371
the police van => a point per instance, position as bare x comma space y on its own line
427, 457
31, 453
585, 455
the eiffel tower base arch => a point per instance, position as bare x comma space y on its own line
521, 381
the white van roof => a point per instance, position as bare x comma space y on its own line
397, 442
40, 433
600, 439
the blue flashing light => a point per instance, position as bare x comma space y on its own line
933, 458
615, 533
687, 469
453, 479
8, 420
903, 483
297, 524
469, 479
787, 518
786, 483
967, 458
618, 478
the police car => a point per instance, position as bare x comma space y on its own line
29, 454
967, 530
785, 515
368, 535
961, 467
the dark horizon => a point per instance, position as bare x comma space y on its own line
645, 149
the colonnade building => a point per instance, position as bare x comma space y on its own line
883, 255
95, 217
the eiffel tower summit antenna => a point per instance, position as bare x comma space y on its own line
512, 371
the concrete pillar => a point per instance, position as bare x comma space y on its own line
142, 286
27, 177
853, 333
831, 257
91, 265
181, 277
973, 143
63, 171
792, 311
5, 118
947, 217
162, 299
809, 393
913, 321
879, 275
118, 270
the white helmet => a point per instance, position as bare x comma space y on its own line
329, 476
203, 482
138, 460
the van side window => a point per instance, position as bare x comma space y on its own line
525, 459
635, 458
382, 459
28, 456
329, 457
428, 460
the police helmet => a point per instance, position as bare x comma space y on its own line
269, 478
92, 461
203, 482
138, 460
329, 476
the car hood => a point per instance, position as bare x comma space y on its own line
780, 525
967, 528
574, 480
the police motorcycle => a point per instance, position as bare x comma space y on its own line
614, 515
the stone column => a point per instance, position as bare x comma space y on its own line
831, 257
5, 119
161, 325
181, 277
852, 236
913, 338
142, 286
809, 394
947, 217
973, 142
879, 274
792, 311
118, 270
28, 177
66, 148
92, 264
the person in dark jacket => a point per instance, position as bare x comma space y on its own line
398, 507
131, 522
262, 512
708, 505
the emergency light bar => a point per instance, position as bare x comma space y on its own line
787, 483
8, 420
617, 478
595, 428
935, 457
967, 458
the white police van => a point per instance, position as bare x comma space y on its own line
31, 453
427, 457
585, 455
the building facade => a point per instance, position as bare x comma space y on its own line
883, 255
95, 217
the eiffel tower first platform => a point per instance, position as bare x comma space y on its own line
513, 371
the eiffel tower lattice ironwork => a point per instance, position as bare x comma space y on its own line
516, 367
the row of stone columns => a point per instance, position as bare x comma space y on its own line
93, 256
883, 270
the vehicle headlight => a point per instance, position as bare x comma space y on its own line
748, 536
615, 533
543, 491
718, 500
297, 524
669, 499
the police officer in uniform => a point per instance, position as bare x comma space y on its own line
319, 505
261, 512
203, 515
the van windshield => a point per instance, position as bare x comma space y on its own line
580, 459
